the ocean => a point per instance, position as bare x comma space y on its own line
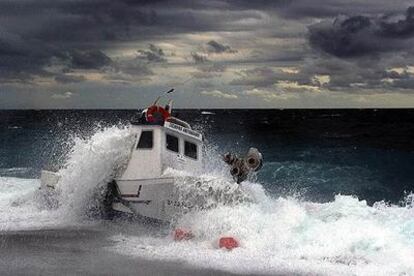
334, 197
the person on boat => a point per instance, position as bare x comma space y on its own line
156, 114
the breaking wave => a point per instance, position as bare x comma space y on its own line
276, 234
90, 164
289, 236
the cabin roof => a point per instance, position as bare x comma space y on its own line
187, 132
183, 130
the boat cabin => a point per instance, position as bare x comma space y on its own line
158, 147
161, 142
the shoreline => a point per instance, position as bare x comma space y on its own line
71, 251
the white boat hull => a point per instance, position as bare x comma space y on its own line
153, 198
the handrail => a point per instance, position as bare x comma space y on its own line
178, 122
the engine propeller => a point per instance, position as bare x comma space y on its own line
241, 167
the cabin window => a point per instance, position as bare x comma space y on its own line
172, 143
146, 141
190, 149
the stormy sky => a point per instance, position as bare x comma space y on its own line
216, 53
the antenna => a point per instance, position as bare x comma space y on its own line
162, 95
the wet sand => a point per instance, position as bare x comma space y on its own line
77, 252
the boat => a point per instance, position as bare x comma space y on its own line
141, 188
162, 142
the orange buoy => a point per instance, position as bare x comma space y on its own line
182, 234
228, 243
156, 114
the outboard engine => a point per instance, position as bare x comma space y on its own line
241, 167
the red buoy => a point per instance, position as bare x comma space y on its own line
182, 234
228, 243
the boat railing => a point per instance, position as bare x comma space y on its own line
179, 122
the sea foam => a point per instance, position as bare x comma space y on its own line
282, 235
90, 164
288, 236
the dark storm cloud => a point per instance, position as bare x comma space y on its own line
58, 38
399, 28
363, 50
218, 48
32, 34
134, 67
361, 35
296, 9
19, 58
93, 59
153, 54
79, 32
106, 20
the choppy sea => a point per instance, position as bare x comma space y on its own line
334, 197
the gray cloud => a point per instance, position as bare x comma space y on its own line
331, 8
265, 76
216, 47
62, 96
199, 57
361, 35
257, 77
134, 67
394, 75
63, 78
80, 32
91, 59
403, 27
402, 79
355, 44
128, 71
206, 68
407, 83
153, 54
19, 58
208, 71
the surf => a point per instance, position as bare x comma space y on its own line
277, 234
